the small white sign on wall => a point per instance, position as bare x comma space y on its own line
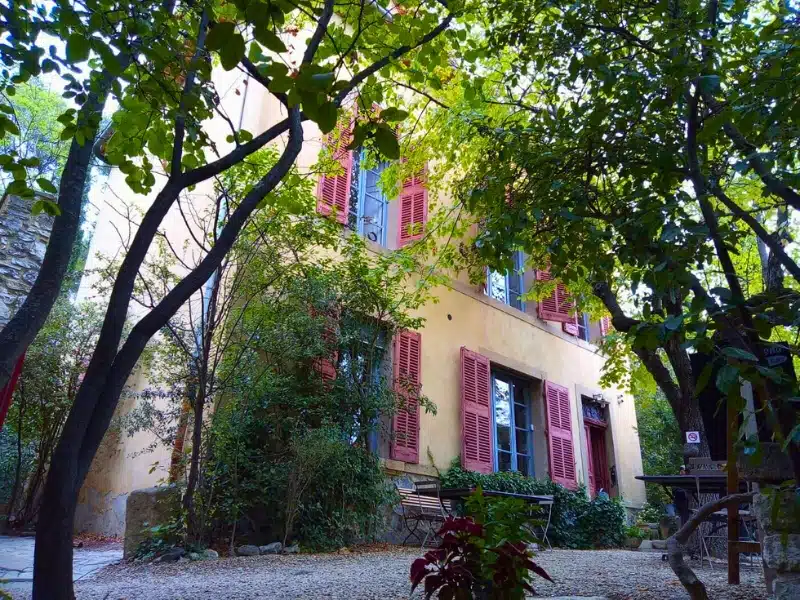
692, 437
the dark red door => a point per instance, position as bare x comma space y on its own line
599, 460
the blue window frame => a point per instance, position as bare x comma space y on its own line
513, 428
583, 327
508, 287
368, 209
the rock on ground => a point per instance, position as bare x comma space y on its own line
614, 574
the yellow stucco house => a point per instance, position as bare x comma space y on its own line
515, 382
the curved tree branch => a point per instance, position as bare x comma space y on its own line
695, 587
769, 240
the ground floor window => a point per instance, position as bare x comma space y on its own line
513, 439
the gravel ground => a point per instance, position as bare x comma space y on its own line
617, 574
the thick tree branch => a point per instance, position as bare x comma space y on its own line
695, 587
20, 331
619, 319
769, 240
126, 358
774, 184
188, 86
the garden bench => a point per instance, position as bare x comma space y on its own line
417, 508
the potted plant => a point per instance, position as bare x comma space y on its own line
634, 536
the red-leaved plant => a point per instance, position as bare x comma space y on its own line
467, 566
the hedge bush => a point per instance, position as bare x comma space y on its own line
576, 521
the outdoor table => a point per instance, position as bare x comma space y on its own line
700, 483
462, 493
723, 484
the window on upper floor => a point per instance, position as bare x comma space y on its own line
368, 207
354, 194
508, 287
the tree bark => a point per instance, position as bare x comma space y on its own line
18, 470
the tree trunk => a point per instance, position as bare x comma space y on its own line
18, 470
193, 526
690, 419
52, 574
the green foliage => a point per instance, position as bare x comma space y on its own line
635, 532
284, 427
502, 519
576, 521
35, 111
660, 441
160, 538
54, 365
626, 147
650, 513
484, 554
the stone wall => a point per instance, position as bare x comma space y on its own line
23, 241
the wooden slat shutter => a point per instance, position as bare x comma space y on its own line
407, 377
413, 208
559, 435
605, 326
572, 327
333, 191
476, 412
326, 366
558, 305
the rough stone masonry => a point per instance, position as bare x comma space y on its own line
23, 241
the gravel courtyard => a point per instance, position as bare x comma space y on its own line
615, 574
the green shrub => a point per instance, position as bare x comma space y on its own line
635, 532
576, 521
650, 513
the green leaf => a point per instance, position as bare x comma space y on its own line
44, 205
703, 379
269, 39
739, 353
17, 187
709, 83
46, 185
392, 115
77, 48
674, 322
219, 35
231, 54
326, 117
360, 133
386, 141
727, 376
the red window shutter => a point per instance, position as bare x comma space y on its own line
558, 305
326, 366
559, 435
408, 381
605, 326
476, 413
572, 327
413, 208
333, 191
